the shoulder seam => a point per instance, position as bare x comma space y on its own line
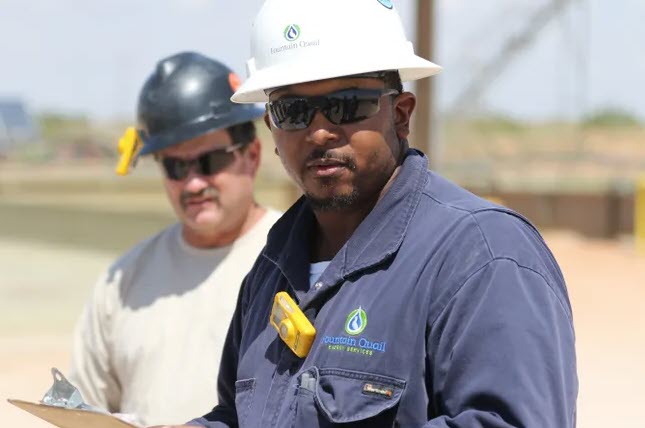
468, 213
483, 235
488, 263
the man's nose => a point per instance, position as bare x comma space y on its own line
321, 131
195, 181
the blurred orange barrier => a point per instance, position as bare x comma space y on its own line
639, 216
494, 199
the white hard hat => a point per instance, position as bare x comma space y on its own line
296, 41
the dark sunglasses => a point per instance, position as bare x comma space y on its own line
342, 107
207, 163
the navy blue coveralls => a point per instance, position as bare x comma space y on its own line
442, 310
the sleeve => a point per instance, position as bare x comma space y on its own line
90, 369
224, 414
501, 353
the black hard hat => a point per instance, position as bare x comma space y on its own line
186, 96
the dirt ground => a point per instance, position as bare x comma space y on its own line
41, 295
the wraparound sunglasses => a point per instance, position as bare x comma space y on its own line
208, 163
347, 106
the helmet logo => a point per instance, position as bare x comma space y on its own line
234, 81
291, 32
386, 3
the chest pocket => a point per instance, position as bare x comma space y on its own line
327, 397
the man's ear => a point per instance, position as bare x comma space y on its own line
253, 155
403, 107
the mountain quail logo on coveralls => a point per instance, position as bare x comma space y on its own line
356, 322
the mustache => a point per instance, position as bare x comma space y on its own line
207, 192
320, 154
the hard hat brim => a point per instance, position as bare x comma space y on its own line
193, 130
410, 67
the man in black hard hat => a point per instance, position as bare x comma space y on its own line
150, 338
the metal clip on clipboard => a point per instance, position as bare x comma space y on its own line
64, 394
63, 406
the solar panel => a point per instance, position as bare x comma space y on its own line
16, 125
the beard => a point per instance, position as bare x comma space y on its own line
334, 203
362, 192
365, 190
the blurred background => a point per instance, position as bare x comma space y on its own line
540, 107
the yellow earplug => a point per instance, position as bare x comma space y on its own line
129, 146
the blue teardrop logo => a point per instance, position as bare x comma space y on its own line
291, 32
356, 322
386, 3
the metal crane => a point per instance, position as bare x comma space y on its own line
474, 91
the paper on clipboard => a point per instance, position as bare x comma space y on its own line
71, 418
64, 407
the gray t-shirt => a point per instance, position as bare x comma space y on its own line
150, 339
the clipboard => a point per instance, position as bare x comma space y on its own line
64, 407
71, 418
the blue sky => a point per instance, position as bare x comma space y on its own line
91, 57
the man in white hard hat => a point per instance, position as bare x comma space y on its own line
387, 295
